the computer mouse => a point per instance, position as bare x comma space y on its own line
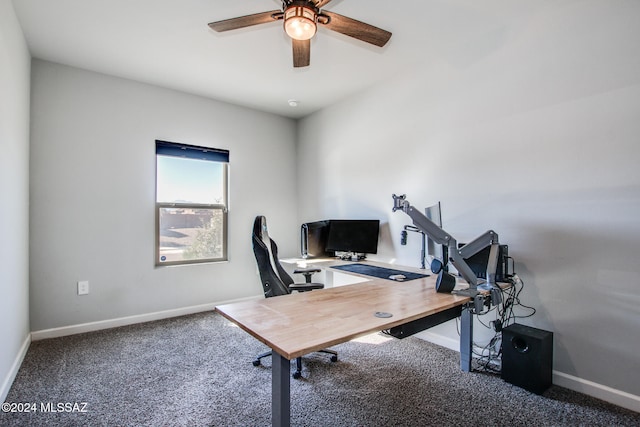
398, 277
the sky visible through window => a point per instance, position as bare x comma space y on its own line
182, 180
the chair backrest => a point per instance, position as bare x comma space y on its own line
275, 280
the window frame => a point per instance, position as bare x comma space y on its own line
190, 151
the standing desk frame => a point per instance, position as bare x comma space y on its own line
301, 323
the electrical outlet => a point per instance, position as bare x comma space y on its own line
83, 287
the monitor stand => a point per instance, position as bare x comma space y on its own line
351, 256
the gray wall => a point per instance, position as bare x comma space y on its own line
93, 195
14, 192
532, 132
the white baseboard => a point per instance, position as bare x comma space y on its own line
599, 391
129, 320
11, 375
441, 340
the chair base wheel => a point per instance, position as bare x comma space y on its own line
296, 375
334, 358
256, 363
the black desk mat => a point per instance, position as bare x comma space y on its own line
380, 272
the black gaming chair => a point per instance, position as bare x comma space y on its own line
276, 281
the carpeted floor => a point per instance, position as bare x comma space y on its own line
196, 371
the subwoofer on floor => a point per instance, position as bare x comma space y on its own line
527, 357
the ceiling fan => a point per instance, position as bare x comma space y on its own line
301, 19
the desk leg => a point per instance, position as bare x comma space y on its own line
280, 391
466, 338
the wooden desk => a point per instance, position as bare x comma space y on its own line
301, 323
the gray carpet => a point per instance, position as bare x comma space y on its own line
196, 371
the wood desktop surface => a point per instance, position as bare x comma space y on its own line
300, 323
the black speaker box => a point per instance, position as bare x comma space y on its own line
527, 357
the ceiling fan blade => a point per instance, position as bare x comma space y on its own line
246, 21
321, 3
356, 29
301, 53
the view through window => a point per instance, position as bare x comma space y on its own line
191, 204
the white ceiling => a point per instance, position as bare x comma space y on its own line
168, 43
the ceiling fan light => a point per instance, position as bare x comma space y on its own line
300, 22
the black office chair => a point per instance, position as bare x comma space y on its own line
276, 281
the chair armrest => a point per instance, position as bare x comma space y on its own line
304, 287
306, 272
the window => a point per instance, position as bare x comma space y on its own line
191, 204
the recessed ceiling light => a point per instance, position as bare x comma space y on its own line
293, 103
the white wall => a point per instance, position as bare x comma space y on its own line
93, 195
533, 134
15, 63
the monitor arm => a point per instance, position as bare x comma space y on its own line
457, 256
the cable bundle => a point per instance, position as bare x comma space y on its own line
489, 357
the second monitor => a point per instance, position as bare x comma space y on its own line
357, 236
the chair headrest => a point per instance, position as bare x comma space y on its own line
260, 229
261, 232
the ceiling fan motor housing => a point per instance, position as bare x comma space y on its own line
300, 19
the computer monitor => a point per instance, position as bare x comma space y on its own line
478, 263
435, 215
358, 236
